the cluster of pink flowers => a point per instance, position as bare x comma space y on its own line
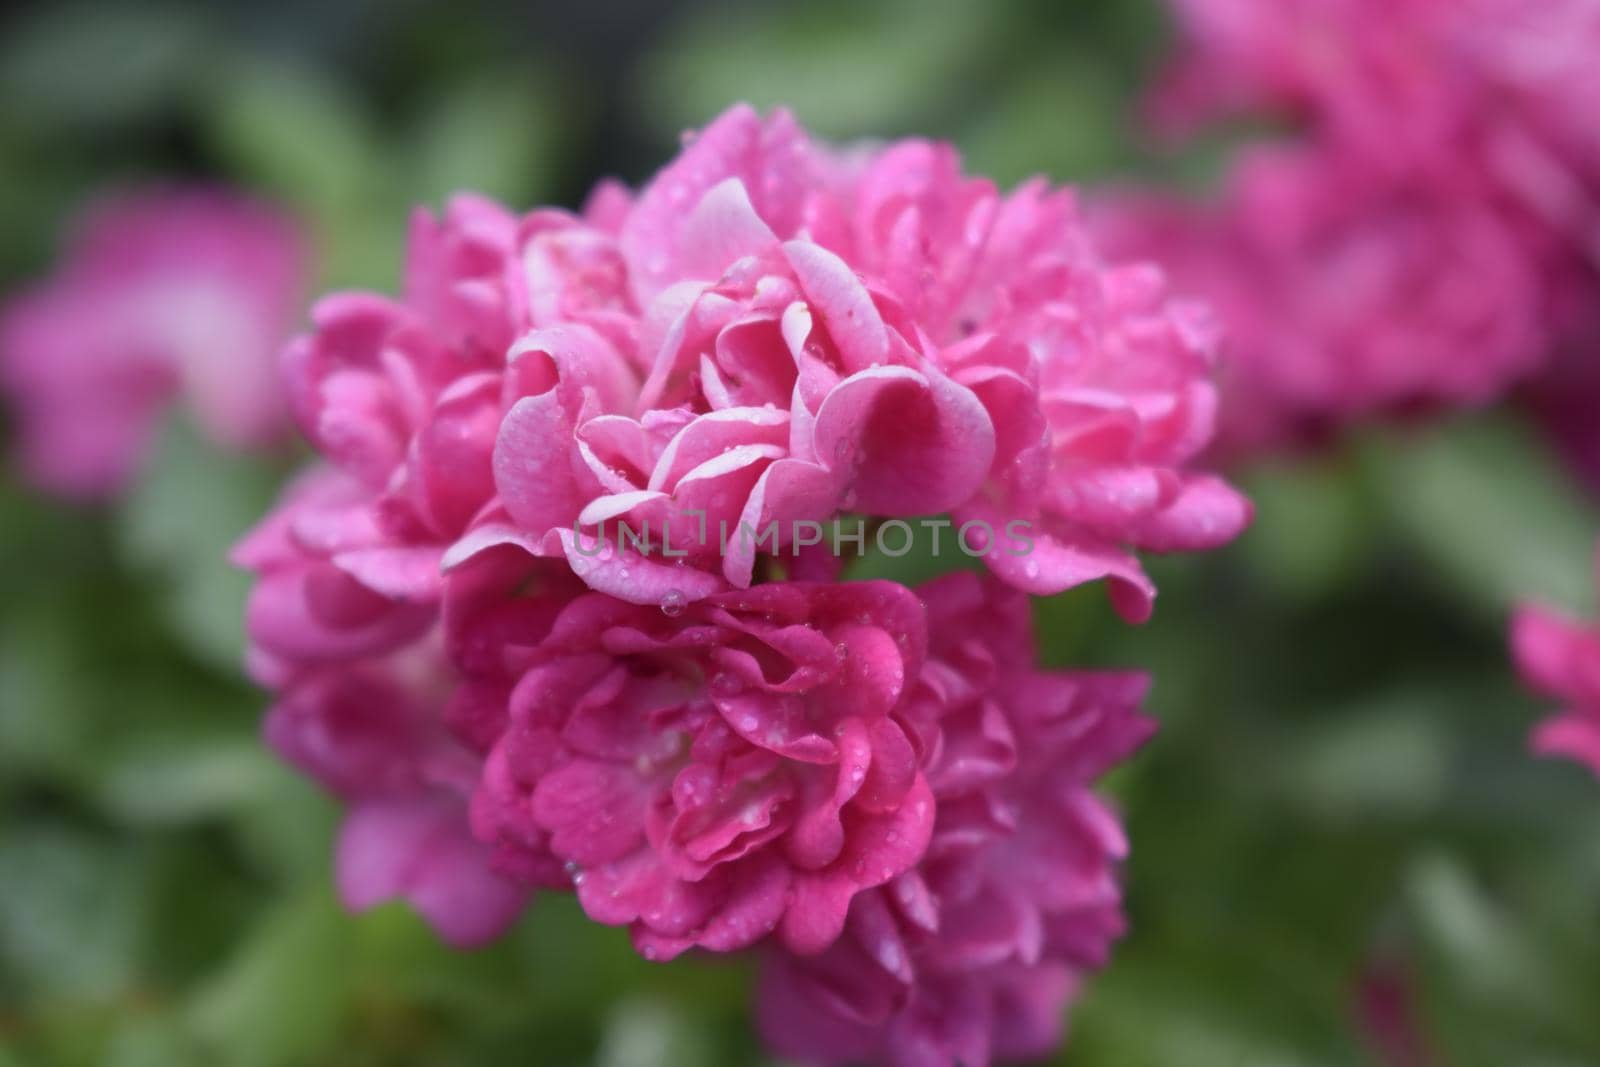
723, 746
166, 293
1559, 657
973, 952
1427, 231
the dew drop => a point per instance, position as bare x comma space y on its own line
889, 956
672, 603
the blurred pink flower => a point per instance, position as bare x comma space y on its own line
164, 294
1559, 657
1428, 231
973, 953
1565, 399
371, 732
1389, 1013
1495, 89
1346, 293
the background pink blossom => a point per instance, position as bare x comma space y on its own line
175, 293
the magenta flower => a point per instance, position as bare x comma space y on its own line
1346, 293
404, 399
372, 734
711, 773
735, 353
781, 386
1428, 233
706, 736
1559, 657
164, 294
1099, 386
973, 953
1494, 88
874, 333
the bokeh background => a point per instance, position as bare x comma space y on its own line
1341, 849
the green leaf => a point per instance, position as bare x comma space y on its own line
1072, 100
47, 712
643, 1032
848, 70
1313, 528
184, 775
152, 1041
290, 828
1388, 758
71, 910
1490, 511
98, 64
189, 508
283, 996
1487, 956
307, 138
499, 134
296, 131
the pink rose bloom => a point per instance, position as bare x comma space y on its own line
1346, 293
974, 953
1099, 385
371, 732
404, 399
707, 774
363, 681
873, 332
164, 294
770, 333
1559, 657
782, 385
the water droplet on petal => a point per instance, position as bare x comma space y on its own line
889, 956
672, 603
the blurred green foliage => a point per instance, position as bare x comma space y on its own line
1341, 776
